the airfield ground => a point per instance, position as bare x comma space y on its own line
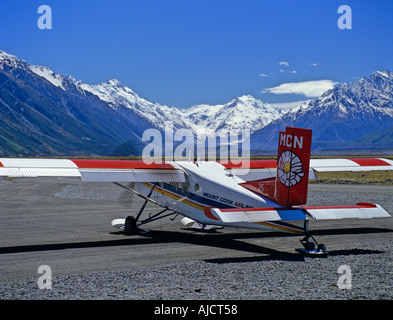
66, 226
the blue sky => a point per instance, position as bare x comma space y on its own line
189, 52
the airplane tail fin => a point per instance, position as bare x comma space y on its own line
293, 161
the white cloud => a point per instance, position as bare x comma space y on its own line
288, 71
314, 64
263, 75
284, 63
310, 89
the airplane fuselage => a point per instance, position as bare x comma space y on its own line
209, 185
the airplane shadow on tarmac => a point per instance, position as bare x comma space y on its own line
216, 239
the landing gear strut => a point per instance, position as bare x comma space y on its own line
309, 245
131, 224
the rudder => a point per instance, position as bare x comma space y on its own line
294, 150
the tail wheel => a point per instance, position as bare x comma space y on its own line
322, 248
130, 226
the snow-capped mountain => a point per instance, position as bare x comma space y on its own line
62, 100
112, 92
10, 61
45, 113
116, 96
243, 112
341, 116
54, 78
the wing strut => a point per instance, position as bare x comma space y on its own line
131, 225
145, 203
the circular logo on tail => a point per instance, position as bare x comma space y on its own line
289, 169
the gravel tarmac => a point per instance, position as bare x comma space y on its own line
368, 270
257, 278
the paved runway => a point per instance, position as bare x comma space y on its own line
65, 226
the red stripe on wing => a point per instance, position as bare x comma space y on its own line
119, 164
254, 164
370, 162
358, 205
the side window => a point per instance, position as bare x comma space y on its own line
182, 185
185, 186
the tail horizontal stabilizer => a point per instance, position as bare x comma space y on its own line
360, 210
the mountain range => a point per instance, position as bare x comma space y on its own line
43, 113
353, 116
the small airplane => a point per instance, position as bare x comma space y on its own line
268, 194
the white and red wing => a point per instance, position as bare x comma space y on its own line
263, 169
92, 170
356, 164
138, 171
361, 210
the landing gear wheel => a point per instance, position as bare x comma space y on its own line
307, 244
322, 248
310, 248
130, 226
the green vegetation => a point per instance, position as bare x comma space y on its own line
381, 177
